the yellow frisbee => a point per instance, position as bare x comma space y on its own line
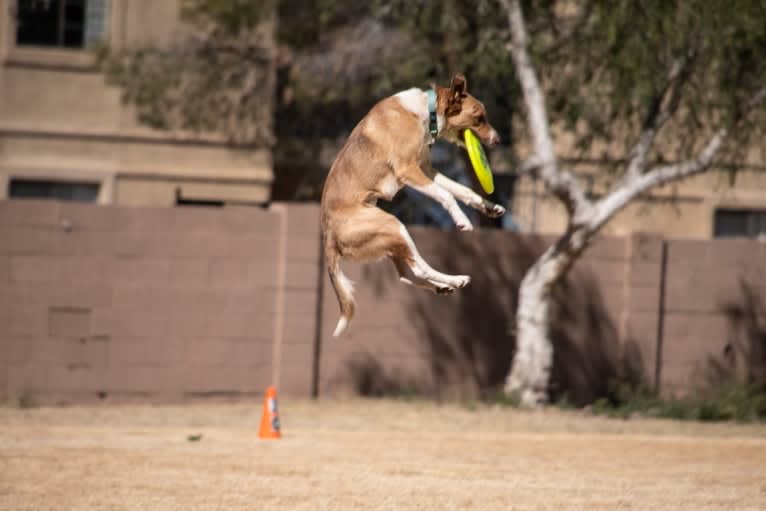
479, 161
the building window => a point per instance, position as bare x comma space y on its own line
60, 190
61, 23
743, 223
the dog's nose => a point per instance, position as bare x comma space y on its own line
494, 139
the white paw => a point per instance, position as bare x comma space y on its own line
464, 226
460, 281
496, 210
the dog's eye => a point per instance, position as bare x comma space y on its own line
480, 119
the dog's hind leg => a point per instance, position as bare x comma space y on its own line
422, 272
373, 234
407, 276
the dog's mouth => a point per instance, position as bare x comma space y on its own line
487, 144
462, 137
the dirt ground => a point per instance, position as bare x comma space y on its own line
371, 454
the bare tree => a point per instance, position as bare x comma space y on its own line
531, 369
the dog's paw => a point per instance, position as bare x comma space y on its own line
448, 286
465, 226
461, 281
441, 288
495, 210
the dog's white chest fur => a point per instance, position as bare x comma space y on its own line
416, 101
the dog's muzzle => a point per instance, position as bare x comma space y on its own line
494, 139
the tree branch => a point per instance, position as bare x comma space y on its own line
561, 183
629, 190
663, 174
754, 100
657, 116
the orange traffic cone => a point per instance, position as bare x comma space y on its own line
270, 418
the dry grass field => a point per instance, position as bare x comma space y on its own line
371, 454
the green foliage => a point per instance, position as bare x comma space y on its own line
26, 401
227, 15
607, 65
339, 56
499, 397
304, 25
350, 54
727, 402
218, 78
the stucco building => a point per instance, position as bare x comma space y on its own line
715, 204
65, 133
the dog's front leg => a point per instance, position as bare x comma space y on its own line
448, 202
469, 197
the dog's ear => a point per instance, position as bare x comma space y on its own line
459, 85
457, 92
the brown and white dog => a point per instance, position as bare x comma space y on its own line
389, 149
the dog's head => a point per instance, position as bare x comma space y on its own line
462, 112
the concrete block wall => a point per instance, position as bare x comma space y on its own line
159, 303
641, 315
715, 312
407, 339
135, 302
296, 338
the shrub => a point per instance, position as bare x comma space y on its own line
727, 402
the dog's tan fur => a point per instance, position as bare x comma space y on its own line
387, 150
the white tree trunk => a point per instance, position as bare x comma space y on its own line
530, 372
532, 363
533, 360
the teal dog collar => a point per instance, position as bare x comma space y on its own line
433, 127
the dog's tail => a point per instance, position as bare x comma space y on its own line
344, 288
